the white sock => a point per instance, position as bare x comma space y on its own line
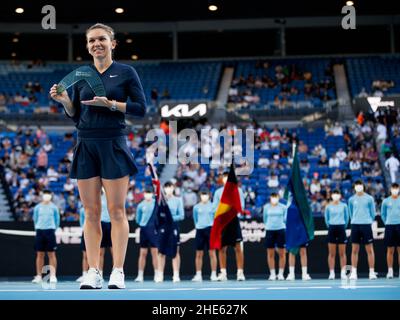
101, 272
281, 271
93, 269
332, 271
116, 269
353, 270
291, 270
390, 270
140, 273
273, 273
240, 271
213, 273
371, 270
223, 271
304, 270
198, 273
176, 274
84, 273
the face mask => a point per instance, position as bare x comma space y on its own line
46, 197
225, 179
169, 191
204, 197
359, 188
274, 200
336, 197
148, 196
395, 192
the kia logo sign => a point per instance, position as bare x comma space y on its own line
184, 110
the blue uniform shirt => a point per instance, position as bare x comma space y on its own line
203, 215
144, 211
46, 216
390, 211
105, 216
175, 205
218, 195
82, 216
122, 84
337, 214
362, 209
274, 216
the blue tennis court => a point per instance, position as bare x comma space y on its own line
363, 289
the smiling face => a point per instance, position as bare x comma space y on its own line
100, 43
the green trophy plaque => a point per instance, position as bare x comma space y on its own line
84, 73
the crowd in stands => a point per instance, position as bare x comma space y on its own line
287, 81
24, 158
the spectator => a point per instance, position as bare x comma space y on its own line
52, 174
334, 162
341, 154
323, 161
337, 130
382, 133
68, 186
273, 181
355, 165
48, 147
41, 160
315, 187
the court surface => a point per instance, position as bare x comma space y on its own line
362, 289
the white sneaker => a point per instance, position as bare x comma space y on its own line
372, 276
272, 277
214, 277
290, 277
197, 278
389, 275
222, 277
117, 280
92, 280
240, 277
353, 276
305, 277
343, 276
80, 279
139, 279
281, 277
176, 279
37, 279
331, 276
53, 279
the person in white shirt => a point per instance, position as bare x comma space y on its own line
392, 164
334, 162
354, 165
52, 174
341, 155
382, 132
337, 129
273, 181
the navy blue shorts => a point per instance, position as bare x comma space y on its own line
45, 240
148, 237
232, 233
108, 158
392, 235
361, 234
337, 234
203, 239
106, 237
275, 238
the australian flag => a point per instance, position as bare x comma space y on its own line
162, 217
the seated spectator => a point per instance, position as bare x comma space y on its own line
263, 162
323, 161
337, 130
336, 175
325, 181
341, 154
319, 151
354, 165
273, 181
52, 174
48, 147
68, 185
41, 160
315, 187
334, 162
302, 148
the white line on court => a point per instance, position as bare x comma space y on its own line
296, 288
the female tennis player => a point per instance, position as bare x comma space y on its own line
101, 156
